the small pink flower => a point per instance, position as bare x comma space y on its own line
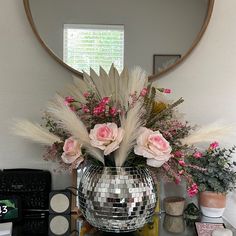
177, 180
182, 162
143, 92
113, 111
85, 109
86, 94
106, 137
152, 145
178, 154
99, 109
181, 172
214, 145
192, 190
167, 91
105, 100
68, 100
72, 151
197, 154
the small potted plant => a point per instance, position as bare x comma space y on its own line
216, 178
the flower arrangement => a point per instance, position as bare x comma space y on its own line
218, 173
117, 119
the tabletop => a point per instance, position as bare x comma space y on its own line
160, 225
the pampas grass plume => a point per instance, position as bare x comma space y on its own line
34, 132
216, 131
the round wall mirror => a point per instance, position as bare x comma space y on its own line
155, 34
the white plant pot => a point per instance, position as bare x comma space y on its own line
212, 212
212, 204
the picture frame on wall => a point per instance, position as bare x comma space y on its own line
163, 61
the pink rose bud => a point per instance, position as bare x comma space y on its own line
197, 154
86, 94
113, 111
182, 162
143, 92
167, 91
214, 145
192, 190
68, 100
178, 154
105, 100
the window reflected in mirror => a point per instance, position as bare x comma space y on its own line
92, 46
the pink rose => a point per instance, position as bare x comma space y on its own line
68, 100
72, 151
197, 154
214, 145
182, 162
144, 92
106, 137
167, 91
152, 145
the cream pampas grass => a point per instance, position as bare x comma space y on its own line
34, 132
137, 80
69, 121
131, 83
131, 124
209, 133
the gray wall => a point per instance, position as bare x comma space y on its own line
151, 27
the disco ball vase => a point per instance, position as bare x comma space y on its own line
117, 199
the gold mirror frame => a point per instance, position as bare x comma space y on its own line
151, 77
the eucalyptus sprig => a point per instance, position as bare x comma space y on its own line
220, 174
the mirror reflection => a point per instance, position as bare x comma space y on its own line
85, 33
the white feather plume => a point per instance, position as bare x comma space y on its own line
137, 80
132, 82
34, 132
216, 131
131, 124
69, 121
